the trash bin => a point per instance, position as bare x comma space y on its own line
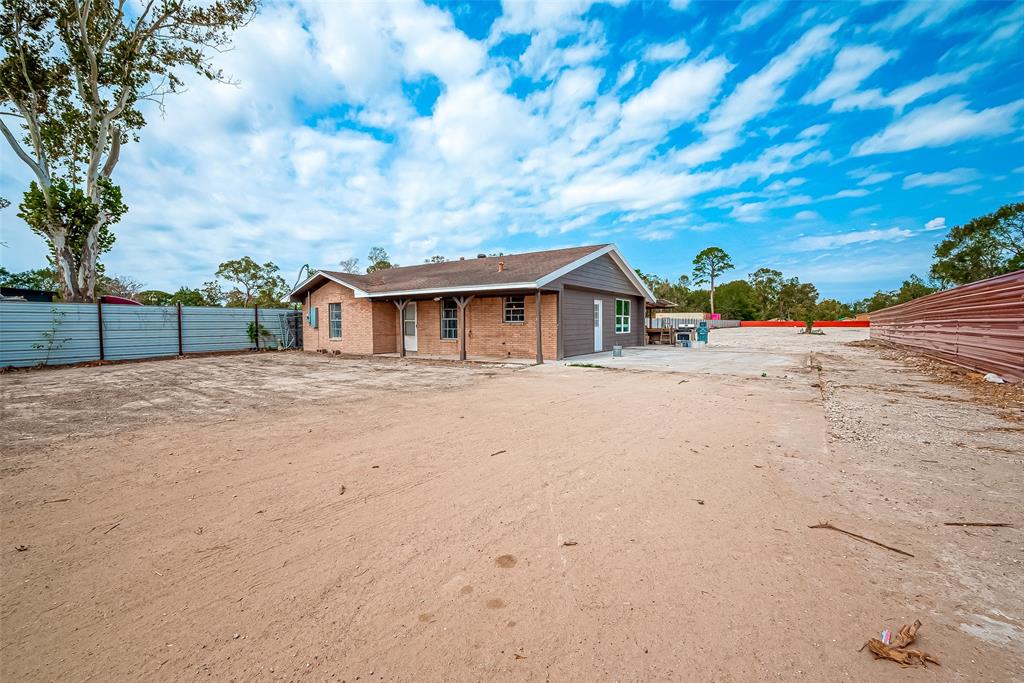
617, 351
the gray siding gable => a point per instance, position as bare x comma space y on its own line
602, 274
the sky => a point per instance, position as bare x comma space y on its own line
836, 142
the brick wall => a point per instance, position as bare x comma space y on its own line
488, 334
372, 326
385, 327
357, 334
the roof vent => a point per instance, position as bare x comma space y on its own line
481, 255
462, 258
501, 266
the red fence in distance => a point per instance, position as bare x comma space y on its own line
797, 323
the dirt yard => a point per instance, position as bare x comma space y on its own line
293, 516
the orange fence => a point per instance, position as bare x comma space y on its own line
797, 323
978, 326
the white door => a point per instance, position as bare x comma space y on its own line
409, 326
598, 315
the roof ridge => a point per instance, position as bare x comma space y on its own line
592, 247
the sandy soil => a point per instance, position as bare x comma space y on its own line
292, 516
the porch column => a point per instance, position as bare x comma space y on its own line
400, 304
462, 302
536, 313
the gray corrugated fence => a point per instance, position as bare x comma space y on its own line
58, 334
675, 322
979, 325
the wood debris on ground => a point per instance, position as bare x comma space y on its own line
899, 650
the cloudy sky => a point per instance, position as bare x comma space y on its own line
835, 142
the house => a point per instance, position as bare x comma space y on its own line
589, 299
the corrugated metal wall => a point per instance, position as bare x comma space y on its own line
979, 326
59, 334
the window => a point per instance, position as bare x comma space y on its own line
449, 319
515, 309
622, 316
312, 317
335, 314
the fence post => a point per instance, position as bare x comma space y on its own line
181, 346
99, 324
256, 310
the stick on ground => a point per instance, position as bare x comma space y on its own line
828, 525
977, 524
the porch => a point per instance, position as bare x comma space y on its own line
504, 325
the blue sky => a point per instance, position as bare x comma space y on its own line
833, 141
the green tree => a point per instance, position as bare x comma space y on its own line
982, 248
39, 278
737, 300
379, 260
154, 297
187, 296
257, 284
797, 299
708, 265
73, 75
913, 288
831, 309
436, 259
767, 285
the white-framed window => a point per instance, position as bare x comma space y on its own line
515, 309
622, 316
335, 317
449, 319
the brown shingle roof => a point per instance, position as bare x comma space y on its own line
468, 273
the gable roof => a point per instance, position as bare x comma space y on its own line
530, 270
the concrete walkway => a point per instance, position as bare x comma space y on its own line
706, 360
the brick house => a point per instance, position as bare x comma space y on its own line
588, 299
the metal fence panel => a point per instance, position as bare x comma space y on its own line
37, 332
139, 332
60, 334
979, 325
672, 323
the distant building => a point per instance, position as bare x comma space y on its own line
22, 294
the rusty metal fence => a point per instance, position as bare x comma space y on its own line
978, 326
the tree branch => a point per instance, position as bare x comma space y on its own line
44, 180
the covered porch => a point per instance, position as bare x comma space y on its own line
499, 325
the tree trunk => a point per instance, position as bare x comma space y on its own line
67, 274
712, 295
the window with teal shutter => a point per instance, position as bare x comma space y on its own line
312, 317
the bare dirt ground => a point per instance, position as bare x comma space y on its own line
292, 516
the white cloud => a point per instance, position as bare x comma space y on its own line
919, 15
875, 178
755, 13
678, 94
807, 215
666, 52
852, 66
935, 224
901, 97
817, 242
956, 176
941, 124
756, 96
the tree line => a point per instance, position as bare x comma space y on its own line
984, 247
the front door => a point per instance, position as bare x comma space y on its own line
409, 326
598, 315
